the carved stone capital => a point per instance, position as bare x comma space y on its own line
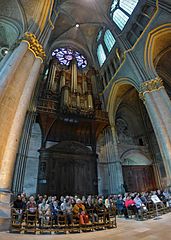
150, 86
34, 45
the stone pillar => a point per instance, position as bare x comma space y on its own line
158, 107
113, 161
10, 66
13, 108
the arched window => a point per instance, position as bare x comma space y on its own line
101, 54
109, 40
121, 10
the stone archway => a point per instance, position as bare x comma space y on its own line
132, 129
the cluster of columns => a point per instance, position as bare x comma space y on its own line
158, 106
18, 80
109, 164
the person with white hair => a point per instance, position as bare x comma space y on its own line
80, 212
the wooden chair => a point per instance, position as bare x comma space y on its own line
45, 223
16, 220
75, 225
62, 223
31, 222
101, 220
111, 222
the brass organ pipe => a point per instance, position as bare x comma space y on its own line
78, 100
62, 80
52, 77
66, 96
74, 77
90, 101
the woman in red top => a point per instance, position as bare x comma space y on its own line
130, 204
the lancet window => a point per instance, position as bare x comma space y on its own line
121, 11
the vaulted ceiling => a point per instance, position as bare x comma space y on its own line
91, 15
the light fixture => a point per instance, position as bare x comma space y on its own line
77, 25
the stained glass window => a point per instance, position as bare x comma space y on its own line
101, 54
66, 55
109, 40
121, 10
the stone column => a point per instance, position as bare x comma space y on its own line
114, 164
13, 108
10, 66
158, 107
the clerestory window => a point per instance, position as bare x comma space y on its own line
109, 40
121, 11
101, 54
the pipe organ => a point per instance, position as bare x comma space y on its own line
75, 89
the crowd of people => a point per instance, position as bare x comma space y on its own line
86, 209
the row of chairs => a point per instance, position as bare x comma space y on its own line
150, 211
31, 223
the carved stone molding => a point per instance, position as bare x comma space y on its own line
150, 86
34, 45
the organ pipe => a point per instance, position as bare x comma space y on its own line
66, 96
90, 101
73, 77
78, 100
62, 80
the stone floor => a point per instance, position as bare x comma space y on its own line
126, 230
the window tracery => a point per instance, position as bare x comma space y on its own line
66, 55
121, 11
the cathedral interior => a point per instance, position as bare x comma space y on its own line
85, 90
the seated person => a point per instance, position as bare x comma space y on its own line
91, 209
44, 212
80, 212
54, 208
31, 205
66, 208
120, 205
101, 209
31, 209
19, 207
100, 206
130, 204
139, 204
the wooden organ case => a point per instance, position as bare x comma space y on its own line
70, 116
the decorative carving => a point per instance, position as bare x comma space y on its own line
34, 45
149, 86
